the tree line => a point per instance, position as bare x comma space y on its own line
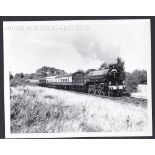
132, 80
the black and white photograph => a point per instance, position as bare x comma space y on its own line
77, 78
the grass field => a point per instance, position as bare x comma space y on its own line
46, 110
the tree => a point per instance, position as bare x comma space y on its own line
120, 65
19, 75
43, 74
11, 76
134, 79
144, 77
140, 76
89, 70
80, 70
104, 65
49, 71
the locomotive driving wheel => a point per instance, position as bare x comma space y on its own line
100, 92
120, 93
89, 89
103, 93
109, 93
94, 91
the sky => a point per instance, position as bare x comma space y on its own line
74, 45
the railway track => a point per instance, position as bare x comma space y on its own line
123, 99
126, 99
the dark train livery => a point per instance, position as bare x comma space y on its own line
101, 82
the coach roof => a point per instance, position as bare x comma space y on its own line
50, 77
64, 75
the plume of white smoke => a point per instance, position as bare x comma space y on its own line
91, 48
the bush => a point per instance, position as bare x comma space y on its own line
134, 79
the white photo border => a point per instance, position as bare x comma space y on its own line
79, 134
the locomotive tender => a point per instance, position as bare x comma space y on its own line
101, 82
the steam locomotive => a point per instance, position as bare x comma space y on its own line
102, 82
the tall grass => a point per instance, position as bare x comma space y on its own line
41, 110
31, 112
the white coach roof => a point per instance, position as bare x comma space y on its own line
50, 77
